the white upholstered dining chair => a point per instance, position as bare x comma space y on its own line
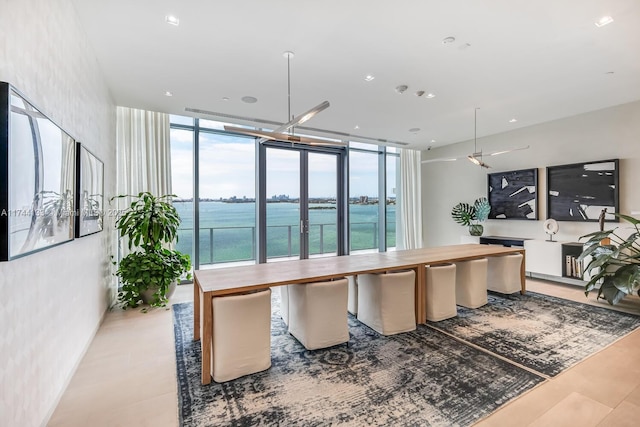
318, 313
241, 335
386, 302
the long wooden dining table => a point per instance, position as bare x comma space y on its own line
218, 282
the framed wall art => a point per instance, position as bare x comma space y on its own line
581, 191
513, 194
89, 192
37, 174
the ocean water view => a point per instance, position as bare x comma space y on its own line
228, 231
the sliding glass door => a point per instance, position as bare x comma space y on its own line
301, 202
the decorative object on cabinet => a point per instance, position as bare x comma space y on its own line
579, 192
550, 227
513, 194
89, 192
614, 266
36, 178
470, 216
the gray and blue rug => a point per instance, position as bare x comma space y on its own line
544, 333
420, 378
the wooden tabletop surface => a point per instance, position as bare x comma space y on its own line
228, 280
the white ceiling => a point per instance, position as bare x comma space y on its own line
533, 60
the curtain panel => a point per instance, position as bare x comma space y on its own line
144, 156
410, 210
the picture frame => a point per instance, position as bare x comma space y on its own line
513, 194
581, 191
89, 192
37, 178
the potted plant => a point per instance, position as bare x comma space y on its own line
470, 215
150, 273
615, 262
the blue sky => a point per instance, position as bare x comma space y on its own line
227, 168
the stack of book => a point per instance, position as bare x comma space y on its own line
573, 267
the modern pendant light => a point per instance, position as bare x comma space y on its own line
279, 134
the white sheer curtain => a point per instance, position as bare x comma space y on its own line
144, 152
410, 211
144, 156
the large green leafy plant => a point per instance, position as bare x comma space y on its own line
151, 224
615, 262
470, 215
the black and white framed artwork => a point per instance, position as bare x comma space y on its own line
581, 191
90, 192
37, 174
513, 194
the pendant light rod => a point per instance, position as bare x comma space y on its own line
288, 54
292, 122
475, 129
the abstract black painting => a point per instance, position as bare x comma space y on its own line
513, 194
580, 191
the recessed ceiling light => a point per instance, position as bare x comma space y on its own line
368, 78
433, 140
401, 89
430, 95
420, 93
414, 130
448, 40
249, 99
225, 98
170, 19
167, 93
356, 127
604, 21
610, 72
513, 120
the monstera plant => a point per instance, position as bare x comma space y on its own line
615, 262
470, 215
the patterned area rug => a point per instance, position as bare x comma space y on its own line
420, 378
541, 332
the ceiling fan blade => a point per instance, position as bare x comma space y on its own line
301, 118
496, 153
276, 136
441, 159
251, 132
478, 161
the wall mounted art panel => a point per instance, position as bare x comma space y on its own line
513, 194
89, 192
37, 174
580, 191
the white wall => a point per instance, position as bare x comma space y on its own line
604, 134
53, 301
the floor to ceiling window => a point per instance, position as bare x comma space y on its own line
227, 208
182, 179
364, 199
392, 187
218, 208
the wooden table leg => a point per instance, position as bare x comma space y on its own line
196, 310
523, 277
421, 301
207, 336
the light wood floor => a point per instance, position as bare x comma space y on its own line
128, 377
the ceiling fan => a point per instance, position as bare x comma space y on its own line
477, 156
279, 134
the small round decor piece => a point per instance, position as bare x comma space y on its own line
551, 227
